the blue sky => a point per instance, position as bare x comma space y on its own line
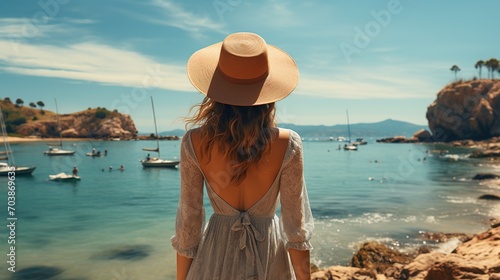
378, 59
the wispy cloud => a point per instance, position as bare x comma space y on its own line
15, 28
378, 83
92, 62
176, 16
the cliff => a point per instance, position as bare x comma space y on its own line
466, 110
91, 123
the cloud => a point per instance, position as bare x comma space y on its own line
382, 82
17, 28
176, 16
92, 62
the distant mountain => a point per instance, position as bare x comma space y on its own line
387, 128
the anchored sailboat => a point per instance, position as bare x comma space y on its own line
55, 151
157, 161
349, 146
10, 165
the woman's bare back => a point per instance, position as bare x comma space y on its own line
259, 177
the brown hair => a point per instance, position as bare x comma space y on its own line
242, 133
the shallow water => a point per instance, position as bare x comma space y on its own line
117, 224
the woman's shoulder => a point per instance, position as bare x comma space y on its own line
290, 134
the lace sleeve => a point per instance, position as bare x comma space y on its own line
190, 212
296, 217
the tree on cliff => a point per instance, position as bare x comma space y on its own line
19, 102
32, 105
479, 65
455, 69
492, 65
41, 105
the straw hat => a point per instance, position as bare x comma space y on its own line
243, 70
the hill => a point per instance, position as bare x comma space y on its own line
385, 128
90, 123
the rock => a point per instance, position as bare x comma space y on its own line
466, 110
71, 132
485, 154
131, 253
39, 272
489, 197
342, 272
477, 258
398, 139
444, 237
92, 123
485, 176
378, 257
423, 136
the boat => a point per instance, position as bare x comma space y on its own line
349, 146
360, 141
94, 153
157, 161
56, 151
64, 177
6, 168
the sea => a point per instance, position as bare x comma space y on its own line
116, 224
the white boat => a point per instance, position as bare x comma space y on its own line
56, 151
350, 146
157, 161
94, 153
64, 177
6, 168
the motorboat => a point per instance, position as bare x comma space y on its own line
94, 153
360, 141
157, 162
64, 177
58, 152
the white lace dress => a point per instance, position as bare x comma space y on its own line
243, 245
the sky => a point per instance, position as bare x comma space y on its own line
377, 59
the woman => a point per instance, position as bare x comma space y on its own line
247, 165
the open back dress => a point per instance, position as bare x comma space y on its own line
243, 245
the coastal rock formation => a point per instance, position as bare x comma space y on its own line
475, 258
419, 136
94, 123
397, 139
466, 110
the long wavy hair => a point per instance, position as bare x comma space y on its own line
242, 133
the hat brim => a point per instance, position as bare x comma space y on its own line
281, 80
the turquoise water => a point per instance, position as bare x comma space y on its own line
384, 192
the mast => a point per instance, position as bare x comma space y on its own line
8, 154
348, 126
58, 124
156, 129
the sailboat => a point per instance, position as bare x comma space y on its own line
349, 146
157, 161
56, 151
6, 168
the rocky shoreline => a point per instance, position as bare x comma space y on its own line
478, 257
473, 256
